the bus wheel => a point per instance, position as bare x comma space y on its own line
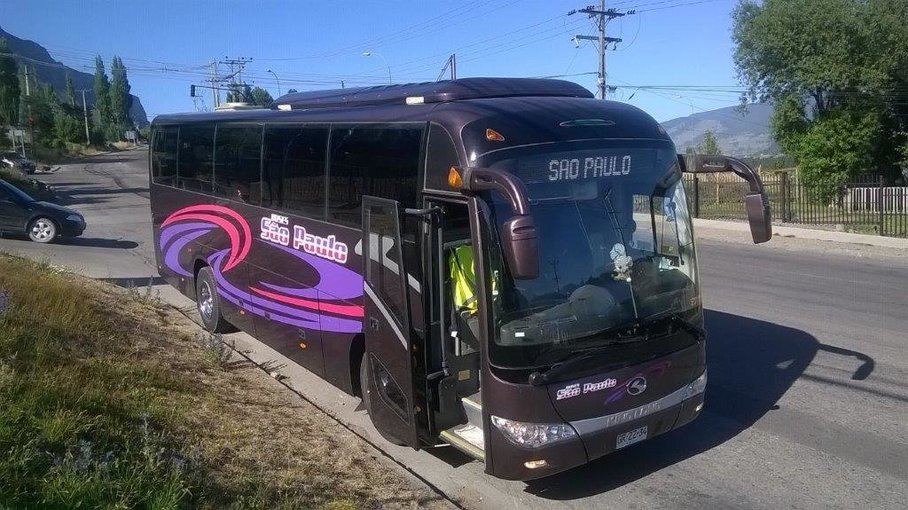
364, 383
208, 304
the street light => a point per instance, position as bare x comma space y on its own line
278, 82
371, 53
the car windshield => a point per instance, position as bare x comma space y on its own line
615, 246
16, 192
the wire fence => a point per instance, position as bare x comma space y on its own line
867, 204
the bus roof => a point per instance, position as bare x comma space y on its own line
552, 109
431, 92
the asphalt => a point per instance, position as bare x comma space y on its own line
807, 403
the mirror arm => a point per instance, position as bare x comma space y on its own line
506, 183
705, 163
519, 239
756, 202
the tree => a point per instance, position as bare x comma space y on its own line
120, 99
42, 105
261, 97
9, 86
292, 91
68, 128
102, 95
709, 145
820, 62
70, 93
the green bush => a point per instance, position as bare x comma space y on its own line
836, 148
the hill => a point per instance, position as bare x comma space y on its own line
54, 73
738, 134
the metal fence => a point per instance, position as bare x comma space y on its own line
866, 205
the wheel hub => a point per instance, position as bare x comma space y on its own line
206, 301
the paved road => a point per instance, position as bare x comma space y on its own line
807, 403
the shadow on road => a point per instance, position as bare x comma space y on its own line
116, 157
104, 191
135, 282
89, 242
98, 243
752, 364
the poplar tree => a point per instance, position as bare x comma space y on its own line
102, 94
120, 99
70, 93
9, 86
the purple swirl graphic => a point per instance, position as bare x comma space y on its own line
333, 305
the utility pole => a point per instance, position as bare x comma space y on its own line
28, 91
215, 93
451, 64
85, 114
31, 127
236, 72
602, 16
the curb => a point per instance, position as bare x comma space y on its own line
808, 233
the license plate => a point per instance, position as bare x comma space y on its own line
631, 437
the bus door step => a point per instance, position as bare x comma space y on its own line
468, 437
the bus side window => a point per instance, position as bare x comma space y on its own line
440, 157
195, 170
164, 155
381, 161
294, 169
237, 161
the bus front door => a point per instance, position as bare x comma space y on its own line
388, 348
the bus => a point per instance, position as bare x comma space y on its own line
503, 265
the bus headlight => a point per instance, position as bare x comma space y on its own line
533, 435
698, 386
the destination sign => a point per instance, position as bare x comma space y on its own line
564, 167
589, 168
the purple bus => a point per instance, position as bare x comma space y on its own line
335, 227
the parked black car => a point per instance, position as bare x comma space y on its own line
15, 161
41, 221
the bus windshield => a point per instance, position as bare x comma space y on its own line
615, 246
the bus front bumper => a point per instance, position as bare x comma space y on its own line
597, 437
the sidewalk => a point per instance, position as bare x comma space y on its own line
807, 233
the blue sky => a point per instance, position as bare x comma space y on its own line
167, 45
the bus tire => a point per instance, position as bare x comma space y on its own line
208, 304
364, 383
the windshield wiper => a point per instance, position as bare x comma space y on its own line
636, 331
620, 334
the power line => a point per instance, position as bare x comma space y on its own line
484, 52
679, 5
463, 8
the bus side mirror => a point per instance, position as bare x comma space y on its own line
756, 203
518, 235
520, 247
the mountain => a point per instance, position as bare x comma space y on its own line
738, 134
54, 73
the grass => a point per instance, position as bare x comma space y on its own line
111, 400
